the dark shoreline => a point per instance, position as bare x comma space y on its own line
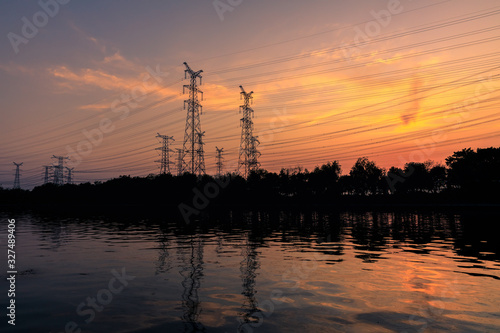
173, 210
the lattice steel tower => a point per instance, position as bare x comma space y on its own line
200, 155
253, 163
46, 174
193, 162
59, 169
70, 175
180, 164
17, 181
248, 144
219, 160
165, 153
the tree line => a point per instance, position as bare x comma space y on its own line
468, 175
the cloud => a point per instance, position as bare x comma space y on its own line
96, 106
16, 69
90, 77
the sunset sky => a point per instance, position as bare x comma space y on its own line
394, 81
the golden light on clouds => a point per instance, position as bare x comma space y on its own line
318, 94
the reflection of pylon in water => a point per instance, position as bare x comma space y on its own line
164, 263
248, 267
248, 154
192, 273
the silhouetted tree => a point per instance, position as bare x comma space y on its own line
438, 176
346, 185
323, 181
471, 175
367, 177
470, 168
395, 179
418, 177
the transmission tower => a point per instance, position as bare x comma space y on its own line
219, 160
180, 164
248, 143
46, 174
165, 153
59, 169
200, 155
194, 163
17, 182
69, 177
253, 163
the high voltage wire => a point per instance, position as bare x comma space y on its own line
330, 31
291, 92
412, 149
360, 65
335, 117
77, 131
373, 40
343, 132
88, 118
168, 98
135, 131
395, 138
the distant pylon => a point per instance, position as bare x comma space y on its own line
46, 174
17, 182
165, 153
59, 169
248, 155
69, 177
219, 160
200, 156
180, 164
192, 161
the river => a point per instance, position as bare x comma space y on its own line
256, 271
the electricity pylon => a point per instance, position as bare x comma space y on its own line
17, 182
46, 174
59, 169
253, 163
165, 153
193, 162
219, 161
180, 164
69, 177
200, 155
248, 144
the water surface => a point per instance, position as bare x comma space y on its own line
259, 272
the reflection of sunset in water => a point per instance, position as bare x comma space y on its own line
264, 271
